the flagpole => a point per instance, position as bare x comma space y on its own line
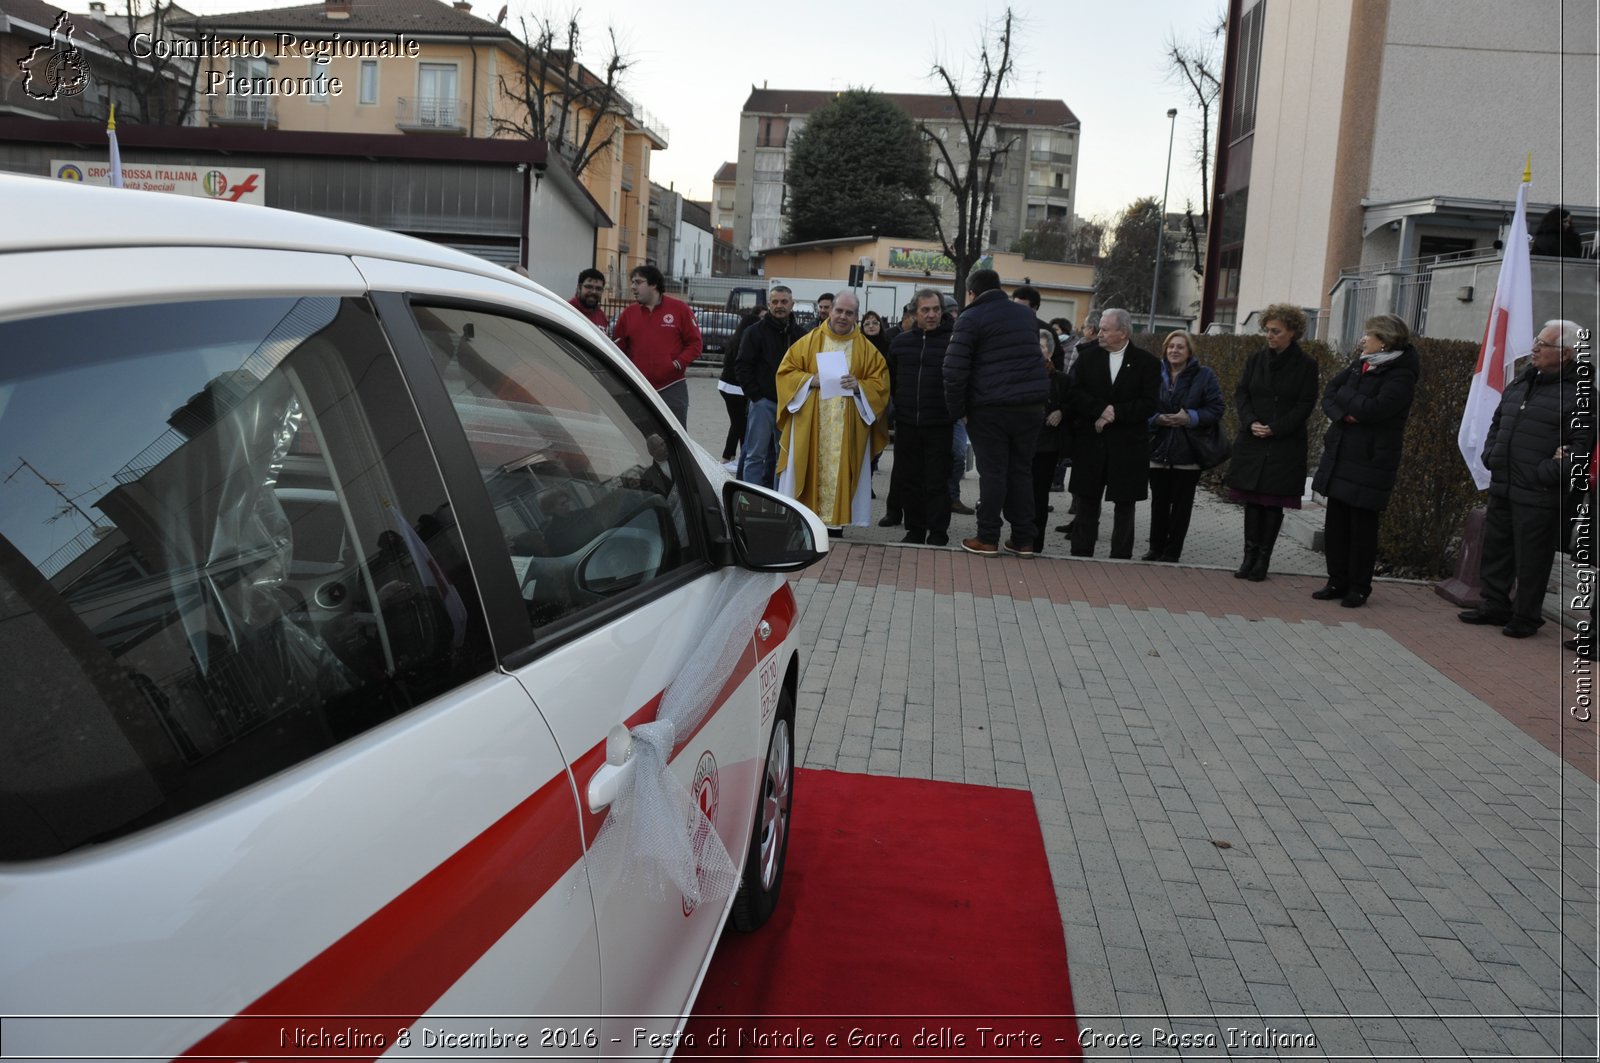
116, 155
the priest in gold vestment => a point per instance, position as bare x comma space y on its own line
833, 387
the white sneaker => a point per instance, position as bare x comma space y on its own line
732, 466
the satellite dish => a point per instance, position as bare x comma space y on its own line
500, 19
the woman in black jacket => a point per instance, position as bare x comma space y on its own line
1368, 403
1268, 472
1055, 438
1190, 398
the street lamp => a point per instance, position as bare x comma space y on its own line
1155, 281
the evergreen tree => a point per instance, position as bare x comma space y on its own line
1123, 276
858, 168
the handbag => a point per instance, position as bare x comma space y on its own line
1209, 446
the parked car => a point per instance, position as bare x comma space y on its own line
382, 561
716, 329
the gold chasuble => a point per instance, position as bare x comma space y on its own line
827, 444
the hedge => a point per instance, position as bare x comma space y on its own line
1420, 534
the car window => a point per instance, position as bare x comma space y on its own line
224, 547
581, 473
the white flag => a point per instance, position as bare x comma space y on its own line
1507, 335
116, 154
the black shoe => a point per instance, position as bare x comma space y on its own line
891, 519
915, 538
1258, 570
1483, 616
1064, 528
1074, 507
938, 539
1328, 593
1353, 600
836, 533
1150, 555
1520, 629
1170, 558
958, 506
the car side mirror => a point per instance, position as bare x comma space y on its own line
772, 533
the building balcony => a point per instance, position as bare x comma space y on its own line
257, 111
1056, 157
1048, 192
430, 114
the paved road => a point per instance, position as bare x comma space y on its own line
1332, 832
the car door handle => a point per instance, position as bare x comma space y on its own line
616, 774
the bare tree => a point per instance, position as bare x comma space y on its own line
1197, 65
150, 89
563, 102
970, 180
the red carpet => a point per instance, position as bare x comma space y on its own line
917, 921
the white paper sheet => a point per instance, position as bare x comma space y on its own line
831, 366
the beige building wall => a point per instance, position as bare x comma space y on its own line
1299, 111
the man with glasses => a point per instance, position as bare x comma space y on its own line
1534, 442
833, 386
591, 289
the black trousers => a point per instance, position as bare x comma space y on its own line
738, 409
921, 474
1086, 527
1003, 438
1044, 472
1171, 506
1519, 544
1350, 542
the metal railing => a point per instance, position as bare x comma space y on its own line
1411, 300
1050, 156
1358, 307
1049, 191
429, 112
242, 110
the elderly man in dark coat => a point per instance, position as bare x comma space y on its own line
1533, 445
1117, 388
994, 377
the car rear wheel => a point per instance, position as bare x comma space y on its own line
763, 868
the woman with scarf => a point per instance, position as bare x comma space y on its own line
1190, 398
1275, 395
1368, 403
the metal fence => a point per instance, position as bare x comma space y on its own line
1411, 300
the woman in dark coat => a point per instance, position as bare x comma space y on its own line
1191, 397
1368, 403
1276, 394
1556, 237
1055, 438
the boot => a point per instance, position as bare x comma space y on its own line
1271, 524
1249, 562
1252, 536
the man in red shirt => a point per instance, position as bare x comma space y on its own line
659, 335
591, 287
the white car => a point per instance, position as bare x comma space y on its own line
348, 586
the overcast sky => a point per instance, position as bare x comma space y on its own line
694, 63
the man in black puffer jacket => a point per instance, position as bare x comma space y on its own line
922, 428
1533, 443
994, 377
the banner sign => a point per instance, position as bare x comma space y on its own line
929, 260
235, 184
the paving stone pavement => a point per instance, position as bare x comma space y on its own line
1275, 827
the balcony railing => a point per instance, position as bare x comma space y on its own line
1049, 191
431, 113
256, 111
1057, 157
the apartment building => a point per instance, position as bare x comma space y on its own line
1034, 181
424, 68
1374, 147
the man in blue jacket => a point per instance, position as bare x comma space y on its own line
994, 377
